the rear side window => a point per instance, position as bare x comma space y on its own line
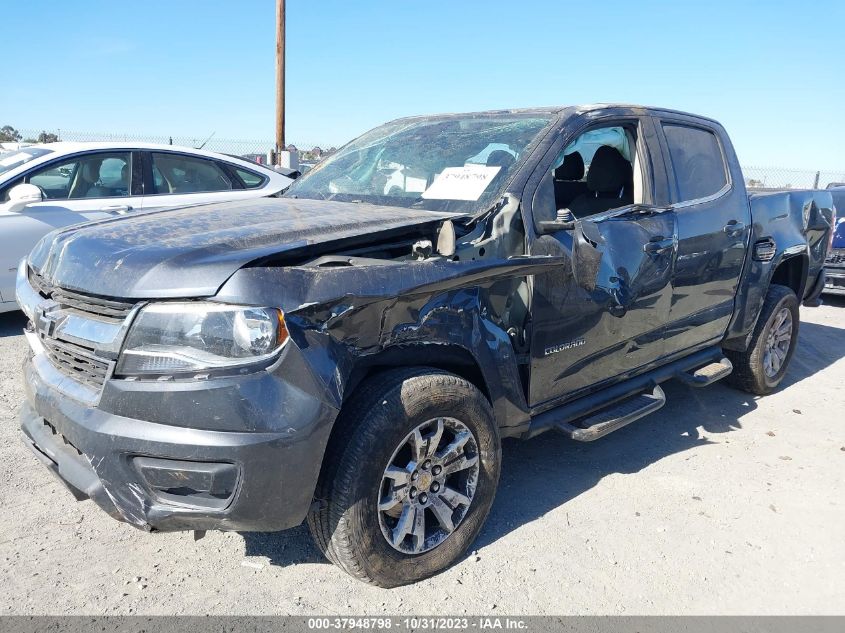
697, 160
250, 179
178, 173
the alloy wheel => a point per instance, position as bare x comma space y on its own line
428, 485
778, 341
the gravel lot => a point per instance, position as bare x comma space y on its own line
719, 503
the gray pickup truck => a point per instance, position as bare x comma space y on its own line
352, 353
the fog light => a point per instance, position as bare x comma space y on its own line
197, 484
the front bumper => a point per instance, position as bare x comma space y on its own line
194, 472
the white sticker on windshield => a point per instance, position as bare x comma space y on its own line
461, 183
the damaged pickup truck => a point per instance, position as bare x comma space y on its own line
351, 354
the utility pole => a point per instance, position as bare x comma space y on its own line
280, 80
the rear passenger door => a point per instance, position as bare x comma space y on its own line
174, 179
714, 221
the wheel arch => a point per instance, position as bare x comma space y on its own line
791, 271
494, 376
448, 357
789, 268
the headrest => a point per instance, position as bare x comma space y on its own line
500, 158
124, 173
572, 167
91, 171
609, 171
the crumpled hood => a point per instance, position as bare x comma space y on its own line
192, 251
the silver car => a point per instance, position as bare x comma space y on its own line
44, 187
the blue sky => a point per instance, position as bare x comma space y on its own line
771, 72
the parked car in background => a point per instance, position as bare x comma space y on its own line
8, 146
352, 352
835, 262
44, 187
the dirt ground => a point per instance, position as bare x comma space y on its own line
719, 503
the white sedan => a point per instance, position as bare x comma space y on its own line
44, 187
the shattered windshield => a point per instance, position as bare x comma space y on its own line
455, 163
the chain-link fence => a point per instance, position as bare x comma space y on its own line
755, 177
783, 178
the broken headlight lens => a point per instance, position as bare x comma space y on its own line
180, 337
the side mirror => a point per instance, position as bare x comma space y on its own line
22, 195
553, 226
586, 256
564, 221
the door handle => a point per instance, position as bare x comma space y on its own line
116, 208
658, 245
733, 227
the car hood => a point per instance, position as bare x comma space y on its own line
192, 251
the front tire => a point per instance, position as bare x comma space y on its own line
762, 367
409, 477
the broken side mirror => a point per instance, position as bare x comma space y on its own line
565, 221
20, 196
586, 256
554, 226
587, 251
543, 203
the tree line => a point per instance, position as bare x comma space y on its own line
8, 134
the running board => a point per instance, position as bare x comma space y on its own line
707, 375
614, 417
562, 416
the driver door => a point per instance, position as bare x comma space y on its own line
604, 314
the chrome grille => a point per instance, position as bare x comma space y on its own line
39, 284
76, 362
104, 309
80, 333
836, 256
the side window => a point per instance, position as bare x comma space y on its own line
55, 180
250, 179
596, 172
158, 181
100, 175
697, 161
178, 173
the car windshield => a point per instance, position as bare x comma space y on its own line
16, 158
457, 163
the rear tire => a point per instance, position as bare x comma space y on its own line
762, 367
406, 421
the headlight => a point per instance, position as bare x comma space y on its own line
168, 338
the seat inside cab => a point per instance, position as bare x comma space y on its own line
599, 171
